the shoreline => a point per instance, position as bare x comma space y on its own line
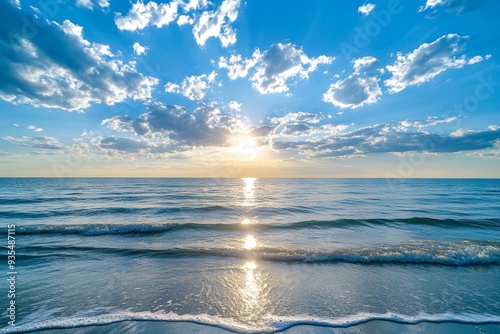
372, 327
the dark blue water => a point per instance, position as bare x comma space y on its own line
252, 255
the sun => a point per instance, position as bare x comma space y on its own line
247, 148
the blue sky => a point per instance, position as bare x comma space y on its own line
257, 88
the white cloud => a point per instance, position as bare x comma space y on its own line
353, 92
139, 49
195, 4
59, 68
235, 105
175, 126
184, 19
274, 68
366, 9
295, 118
217, 24
453, 6
43, 142
142, 15
193, 87
426, 62
238, 67
281, 63
367, 63
34, 128
475, 60
358, 89
89, 4
171, 87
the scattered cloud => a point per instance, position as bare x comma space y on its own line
217, 24
358, 89
90, 4
34, 128
235, 105
237, 66
139, 49
45, 143
143, 15
184, 19
275, 68
171, 87
174, 126
368, 64
366, 9
281, 63
193, 87
122, 144
58, 68
387, 138
427, 61
353, 92
453, 6
214, 23
475, 60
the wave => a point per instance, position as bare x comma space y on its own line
458, 253
269, 324
99, 229
109, 211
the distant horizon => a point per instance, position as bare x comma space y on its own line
239, 178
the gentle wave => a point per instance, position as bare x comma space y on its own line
459, 253
98, 229
270, 324
87, 212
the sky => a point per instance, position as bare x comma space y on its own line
233, 88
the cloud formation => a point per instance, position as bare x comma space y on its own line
43, 142
275, 68
143, 15
139, 49
387, 138
366, 9
217, 24
90, 4
427, 61
207, 24
52, 65
358, 89
174, 126
193, 87
34, 128
453, 6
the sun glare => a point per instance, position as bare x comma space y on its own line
250, 242
247, 148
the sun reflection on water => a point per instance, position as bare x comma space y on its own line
251, 291
250, 242
248, 191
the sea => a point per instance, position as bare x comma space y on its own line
249, 255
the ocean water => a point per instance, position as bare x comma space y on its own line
251, 255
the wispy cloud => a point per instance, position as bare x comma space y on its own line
427, 61
34, 128
453, 6
366, 9
43, 142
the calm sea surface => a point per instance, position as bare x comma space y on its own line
251, 255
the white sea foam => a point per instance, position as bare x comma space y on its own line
269, 324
